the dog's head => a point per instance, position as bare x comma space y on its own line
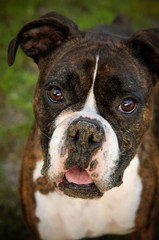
93, 100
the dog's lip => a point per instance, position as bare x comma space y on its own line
85, 191
77, 183
76, 175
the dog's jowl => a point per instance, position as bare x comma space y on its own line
91, 165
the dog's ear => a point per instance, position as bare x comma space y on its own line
39, 37
145, 45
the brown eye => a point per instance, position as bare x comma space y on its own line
127, 106
55, 94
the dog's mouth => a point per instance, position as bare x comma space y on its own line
78, 184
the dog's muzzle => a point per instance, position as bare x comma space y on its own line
84, 138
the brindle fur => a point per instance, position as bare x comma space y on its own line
139, 52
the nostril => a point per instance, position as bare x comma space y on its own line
94, 142
73, 137
91, 139
74, 134
95, 138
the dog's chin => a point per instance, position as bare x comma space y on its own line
77, 184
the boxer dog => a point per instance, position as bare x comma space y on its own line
91, 165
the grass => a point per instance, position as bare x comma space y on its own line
18, 82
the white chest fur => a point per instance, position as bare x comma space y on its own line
62, 217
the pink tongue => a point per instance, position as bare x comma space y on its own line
78, 176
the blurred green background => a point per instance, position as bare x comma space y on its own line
17, 84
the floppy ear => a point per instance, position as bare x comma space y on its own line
43, 35
146, 46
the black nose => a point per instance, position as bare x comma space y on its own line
85, 134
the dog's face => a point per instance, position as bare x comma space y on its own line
94, 107
93, 104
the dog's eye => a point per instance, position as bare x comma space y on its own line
55, 94
127, 106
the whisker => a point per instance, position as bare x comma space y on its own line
44, 170
45, 135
